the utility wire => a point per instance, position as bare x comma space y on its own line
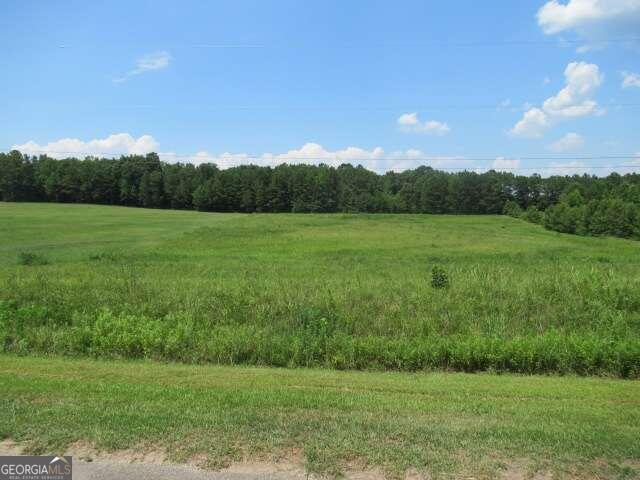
551, 167
427, 43
329, 157
496, 106
227, 161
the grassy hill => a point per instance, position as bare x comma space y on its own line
337, 291
340, 291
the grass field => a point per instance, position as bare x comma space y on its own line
340, 291
475, 426
336, 291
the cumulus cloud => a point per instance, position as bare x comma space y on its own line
147, 63
569, 143
582, 81
380, 161
533, 124
574, 100
505, 164
311, 153
630, 79
316, 153
594, 20
409, 122
113, 145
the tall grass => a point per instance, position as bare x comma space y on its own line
179, 338
338, 291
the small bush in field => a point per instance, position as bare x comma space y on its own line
439, 278
512, 209
30, 258
533, 215
103, 256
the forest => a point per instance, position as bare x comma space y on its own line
578, 204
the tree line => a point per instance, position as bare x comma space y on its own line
581, 204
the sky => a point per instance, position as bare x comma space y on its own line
527, 86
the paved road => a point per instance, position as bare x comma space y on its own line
139, 471
116, 470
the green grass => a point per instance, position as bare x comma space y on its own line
340, 291
436, 422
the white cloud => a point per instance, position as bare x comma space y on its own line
595, 20
508, 164
113, 145
574, 100
197, 158
532, 125
569, 143
379, 161
147, 63
409, 122
310, 153
438, 128
630, 79
408, 119
153, 61
582, 81
314, 154
375, 159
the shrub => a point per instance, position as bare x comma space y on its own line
439, 278
103, 256
512, 209
564, 218
30, 258
533, 215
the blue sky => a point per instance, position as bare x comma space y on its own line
547, 85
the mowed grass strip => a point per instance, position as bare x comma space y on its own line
437, 423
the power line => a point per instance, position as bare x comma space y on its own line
550, 167
496, 106
230, 161
403, 44
338, 156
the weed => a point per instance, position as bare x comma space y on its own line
31, 258
439, 278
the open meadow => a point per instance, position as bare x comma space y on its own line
117, 287
340, 291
